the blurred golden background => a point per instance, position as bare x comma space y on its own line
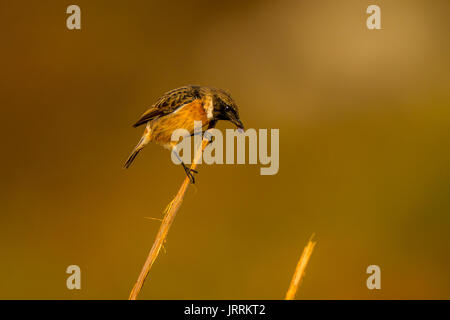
364, 125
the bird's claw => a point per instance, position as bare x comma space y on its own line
189, 173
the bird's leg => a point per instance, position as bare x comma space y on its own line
189, 171
204, 134
208, 136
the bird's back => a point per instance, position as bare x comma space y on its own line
170, 102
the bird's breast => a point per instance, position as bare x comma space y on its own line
183, 118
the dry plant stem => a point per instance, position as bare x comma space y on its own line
169, 217
300, 269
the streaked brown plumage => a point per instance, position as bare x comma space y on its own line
179, 108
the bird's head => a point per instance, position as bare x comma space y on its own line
225, 108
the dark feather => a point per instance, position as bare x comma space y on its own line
169, 102
131, 158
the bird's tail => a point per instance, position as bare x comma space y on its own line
131, 158
142, 143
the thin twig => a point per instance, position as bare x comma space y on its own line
300, 269
169, 217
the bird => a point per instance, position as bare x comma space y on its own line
178, 109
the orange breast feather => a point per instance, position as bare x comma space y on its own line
183, 118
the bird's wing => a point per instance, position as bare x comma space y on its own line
168, 103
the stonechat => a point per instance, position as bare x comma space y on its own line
178, 109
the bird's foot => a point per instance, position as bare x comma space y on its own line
190, 173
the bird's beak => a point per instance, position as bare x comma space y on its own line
238, 123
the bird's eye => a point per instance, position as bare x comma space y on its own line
227, 108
